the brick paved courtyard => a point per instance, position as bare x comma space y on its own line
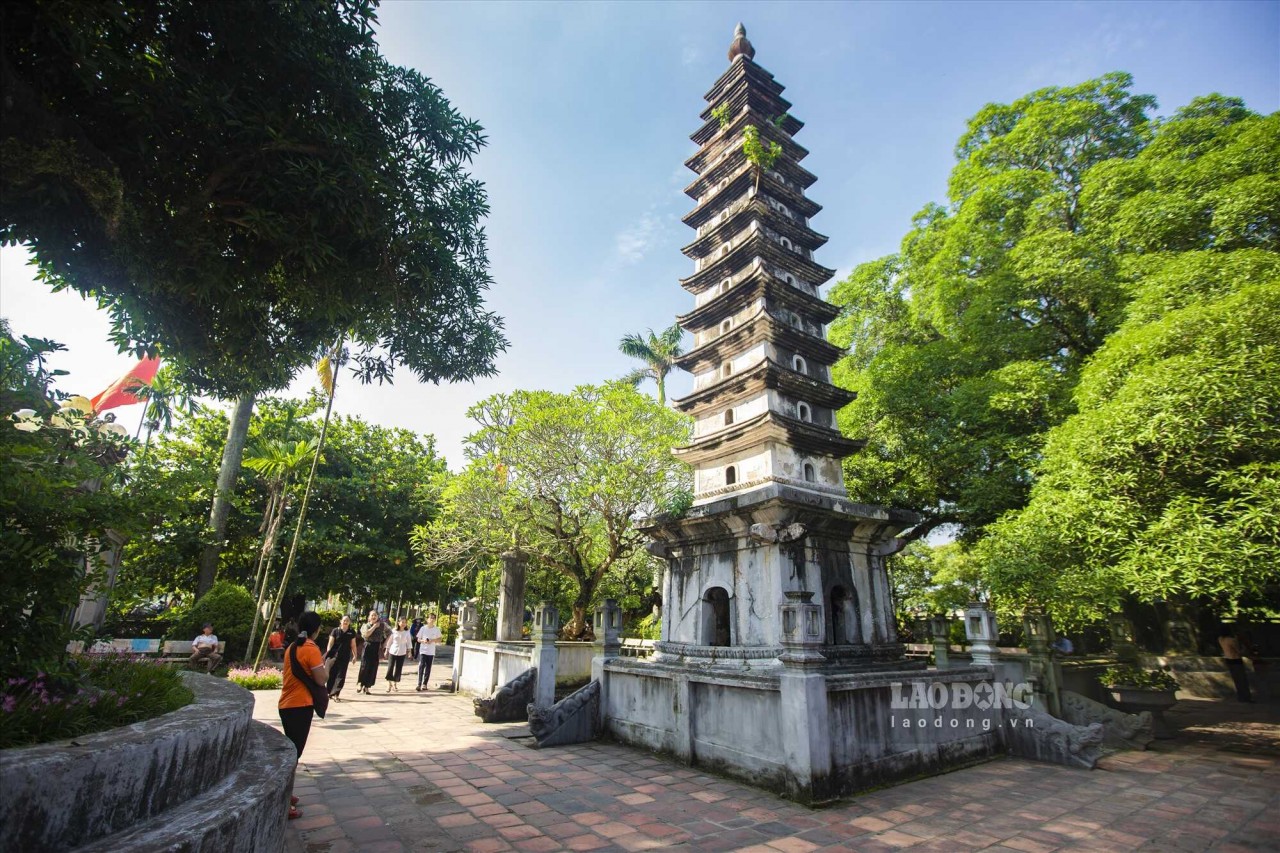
418, 771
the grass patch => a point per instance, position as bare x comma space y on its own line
99, 692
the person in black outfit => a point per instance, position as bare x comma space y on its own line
1235, 662
342, 647
374, 633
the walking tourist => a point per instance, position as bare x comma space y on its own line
428, 636
204, 650
342, 648
397, 651
304, 678
413, 632
373, 632
1235, 662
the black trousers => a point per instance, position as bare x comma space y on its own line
424, 669
297, 725
338, 675
395, 663
1235, 666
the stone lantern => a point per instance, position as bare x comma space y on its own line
980, 629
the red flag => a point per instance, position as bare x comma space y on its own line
118, 393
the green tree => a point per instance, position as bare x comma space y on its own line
62, 493
1165, 484
241, 206
560, 478
966, 344
658, 352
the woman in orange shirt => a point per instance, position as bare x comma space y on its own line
297, 707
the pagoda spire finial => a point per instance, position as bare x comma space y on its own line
741, 45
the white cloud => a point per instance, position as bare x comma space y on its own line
690, 55
634, 242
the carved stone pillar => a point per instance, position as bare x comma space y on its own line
511, 596
980, 629
546, 628
606, 624
1122, 638
806, 728
468, 619
1042, 669
940, 627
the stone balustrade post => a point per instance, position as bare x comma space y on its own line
940, 627
980, 629
805, 726
468, 624
1122, 638
546, 629
1044, 671
511, 596
607, 626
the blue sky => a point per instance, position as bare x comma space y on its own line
588, 108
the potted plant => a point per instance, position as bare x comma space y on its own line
1134, 690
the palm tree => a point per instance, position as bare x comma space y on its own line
277, 462
658, 352
164, 397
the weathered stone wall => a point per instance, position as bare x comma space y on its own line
483, 666
62, 795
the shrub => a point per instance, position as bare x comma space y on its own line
648, 628
448, 625
229, 607
266, 678
107, 691
1132, 676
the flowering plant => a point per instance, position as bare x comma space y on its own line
105, 691
266, 678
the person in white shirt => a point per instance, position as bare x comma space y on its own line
204, 650
397, 651
428, 636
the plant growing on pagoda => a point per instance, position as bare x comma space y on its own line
560, 478
762, 157
721, 115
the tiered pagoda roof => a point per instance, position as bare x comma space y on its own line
763, 402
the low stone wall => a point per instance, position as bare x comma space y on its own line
482, 666
698, 717
65, 794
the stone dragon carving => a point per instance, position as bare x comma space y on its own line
1034, 733
574, 719
508, 702
1119, 730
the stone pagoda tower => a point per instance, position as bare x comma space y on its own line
771, 528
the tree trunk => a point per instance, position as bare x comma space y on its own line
228, 473
306, 498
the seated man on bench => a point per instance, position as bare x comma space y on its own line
204, 649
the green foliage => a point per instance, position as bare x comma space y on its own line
659, 354
266, 678
373, 485
758, 154
448, 625
1072, 362
229, 607
721, 115
107, 691
1132, 676
648, 628
935, 579
62, 493
559, 478
240, 206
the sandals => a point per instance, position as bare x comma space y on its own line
294, 814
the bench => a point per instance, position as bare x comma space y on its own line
179, 651
633, 648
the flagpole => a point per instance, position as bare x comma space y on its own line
141, 421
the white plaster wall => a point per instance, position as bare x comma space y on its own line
789, 462
751, 466
744, 411
735, 320
753, 578
476, 671
741, 362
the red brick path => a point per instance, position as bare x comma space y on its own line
420, 772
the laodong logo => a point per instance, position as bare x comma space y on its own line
959, 695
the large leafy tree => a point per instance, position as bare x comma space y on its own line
965, 345
561, 479
1165, 485
241, 206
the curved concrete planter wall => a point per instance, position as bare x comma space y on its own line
178, 782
